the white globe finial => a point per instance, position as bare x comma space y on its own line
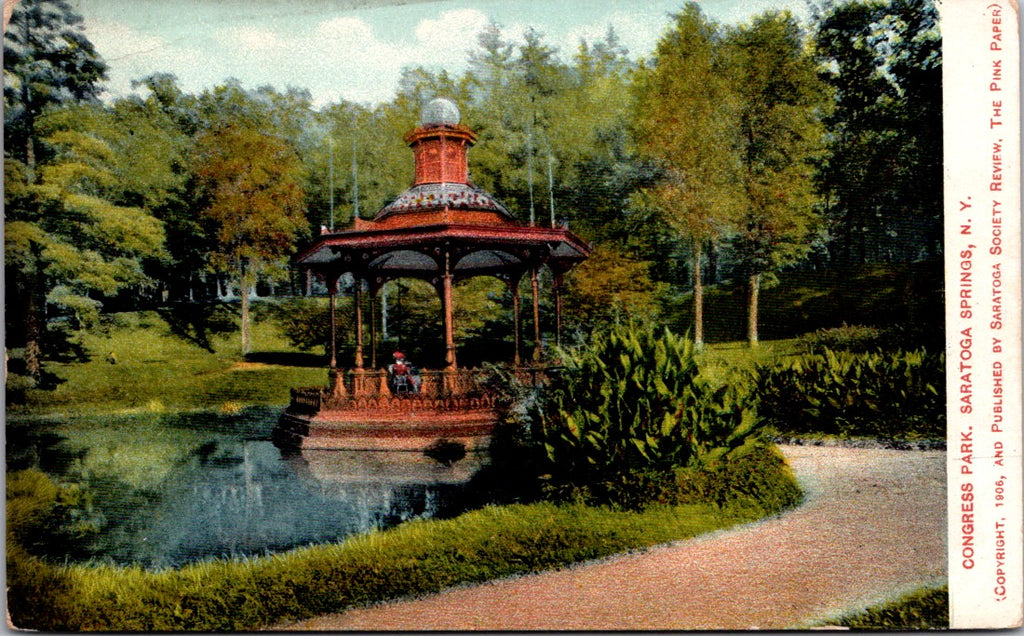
440, 110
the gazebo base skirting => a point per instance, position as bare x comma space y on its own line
472, 430
360, 410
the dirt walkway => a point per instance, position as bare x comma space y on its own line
874, 526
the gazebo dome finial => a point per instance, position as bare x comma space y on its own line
440, 111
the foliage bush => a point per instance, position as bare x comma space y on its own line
630, 411
856, 338
306, 322
887, 395
46, 518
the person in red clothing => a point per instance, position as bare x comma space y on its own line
399, 366
399, 371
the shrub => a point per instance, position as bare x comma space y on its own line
628, 411
756, 476
47, 518
305, 321
885, 395
857, 338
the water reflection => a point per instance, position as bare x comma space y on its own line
244, 497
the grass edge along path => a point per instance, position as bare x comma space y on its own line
414, 559
924, 608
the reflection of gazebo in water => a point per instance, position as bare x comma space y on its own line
441, 230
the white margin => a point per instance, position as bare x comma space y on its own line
981, 137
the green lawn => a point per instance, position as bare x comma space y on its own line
171, 392
906, 296
156, 370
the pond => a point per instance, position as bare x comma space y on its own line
237, 494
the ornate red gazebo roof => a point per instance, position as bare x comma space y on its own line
443, 229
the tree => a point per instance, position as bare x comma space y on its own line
48, 62
882, 173
781, 101
685, 121
66, 242
253, 199
156, 133
611, 287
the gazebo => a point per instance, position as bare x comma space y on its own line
442, 229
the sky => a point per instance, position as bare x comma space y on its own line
355, 49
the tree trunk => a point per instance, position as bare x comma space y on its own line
33, 329
30, 158
30, 124
35, 306
713, 255
244, 284
698, 298
755, 289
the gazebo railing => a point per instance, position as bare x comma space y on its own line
377, 389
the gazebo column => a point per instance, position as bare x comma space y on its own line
358, 298
558, 309
515, 319
336, 378
535, 288
373, 330
448, 311
332, 295
362, 382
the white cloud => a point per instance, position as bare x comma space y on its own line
338, 57
446, 40
249, 38
457, 28
132, 54
117, 40
351, 32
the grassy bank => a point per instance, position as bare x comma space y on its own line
142, 362
923, 609
907, 296
416, 558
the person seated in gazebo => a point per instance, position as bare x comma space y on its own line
401, 372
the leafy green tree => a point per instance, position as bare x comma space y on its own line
595, 166
882, 173
66, 242
685, 114
611, 286
361, 155
253, 199
156, 132
781, 101
48, 62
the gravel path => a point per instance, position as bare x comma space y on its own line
873, 527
